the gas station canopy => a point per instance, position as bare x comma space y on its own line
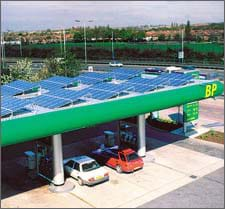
60, 104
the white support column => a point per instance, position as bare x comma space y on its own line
58, 173
141, 135
58, 183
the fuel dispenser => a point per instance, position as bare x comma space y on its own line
44, 159
128, 137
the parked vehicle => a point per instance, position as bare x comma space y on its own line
86, 170
154, 70
115, 64
123, 160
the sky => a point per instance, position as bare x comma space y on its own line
40, 15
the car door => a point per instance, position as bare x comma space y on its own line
122, 160
113, 159
76, 170
69, 167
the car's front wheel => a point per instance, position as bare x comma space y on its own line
118, 169
80, 181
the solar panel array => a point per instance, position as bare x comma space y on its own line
49, 101
98, 88
86, 80
49, 85
17, 87
11, 105
61, 80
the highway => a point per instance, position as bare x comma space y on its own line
38, 63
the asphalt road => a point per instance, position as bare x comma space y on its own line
207, 192
105, 67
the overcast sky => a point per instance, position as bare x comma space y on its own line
36, 15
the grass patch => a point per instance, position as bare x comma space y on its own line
213, 136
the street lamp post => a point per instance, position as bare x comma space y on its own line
182, 44
85, 42
3, 49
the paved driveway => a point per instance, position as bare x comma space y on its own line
207, 192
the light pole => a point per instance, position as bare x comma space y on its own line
182, 44
85, 42
3, 49
21, 53
64, 42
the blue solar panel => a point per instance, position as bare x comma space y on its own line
140, 80
98, 76
171, 79
178, 82
9, 91
86, 80
61, 79
17, 87
13, 104
67, 94
97, 94
175, 76
135, 87
119, 76
127, 71
144, 88
50, 85
109, 87
23, 85
5, 111
49, 101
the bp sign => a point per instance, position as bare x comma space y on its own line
191, 111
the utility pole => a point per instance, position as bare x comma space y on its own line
21, 54
64, 42
85, 41
3, 49
85, 46
61, 53
182, 45
113, 57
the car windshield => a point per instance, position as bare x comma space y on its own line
90, 166
132, 156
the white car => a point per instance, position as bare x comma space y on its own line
115, 64
86, 170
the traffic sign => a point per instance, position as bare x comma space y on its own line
181, 55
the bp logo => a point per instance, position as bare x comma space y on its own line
210, 90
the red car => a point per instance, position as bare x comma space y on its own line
123, 160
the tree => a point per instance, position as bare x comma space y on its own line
177, 37
72, 65
198, 38
188, 31
161, 37
23, 70
6, 78
78, 36
68, 66
213, 37
169, 37
140, 35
